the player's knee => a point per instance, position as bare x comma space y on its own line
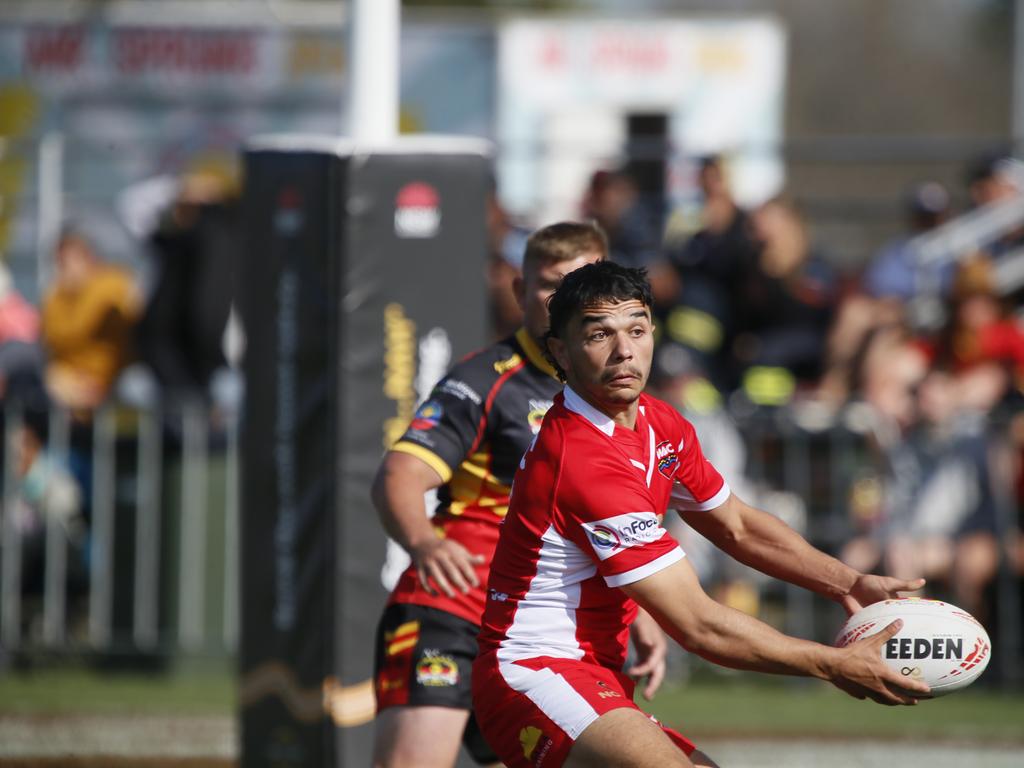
625, 737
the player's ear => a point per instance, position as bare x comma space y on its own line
558, 351
519, 290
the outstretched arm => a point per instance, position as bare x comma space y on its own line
397, 493
673, 596
765, 543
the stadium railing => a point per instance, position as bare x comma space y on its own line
148, 563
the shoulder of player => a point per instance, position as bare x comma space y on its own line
479, 371
661, 414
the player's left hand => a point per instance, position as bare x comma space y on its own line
651, 647
870, 589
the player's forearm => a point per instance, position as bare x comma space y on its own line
406, 522
733, 639
398, 497
774, 548
765, 543
674, 598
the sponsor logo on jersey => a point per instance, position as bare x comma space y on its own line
428, 415
536, 415
613, 534
459, 389
667, 458
437, 671
417, 211
506, 365
500, 597
535, 744
603, 537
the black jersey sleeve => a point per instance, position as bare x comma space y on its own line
448, 425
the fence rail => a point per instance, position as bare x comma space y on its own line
147, 561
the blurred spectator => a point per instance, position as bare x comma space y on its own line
981, 345
937, 511
45, 493
891, 282
21, 359
709, 266
19, 320
786, 297
181, 332
894, 273
992, 179
722, 247
506, 244
88, 319
612, 199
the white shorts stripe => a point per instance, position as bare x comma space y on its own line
553, 696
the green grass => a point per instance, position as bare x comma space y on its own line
710, 706
779, 708
87, 691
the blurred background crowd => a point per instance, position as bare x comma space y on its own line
839, 287
922, 361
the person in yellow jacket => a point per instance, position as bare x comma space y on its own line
89, 314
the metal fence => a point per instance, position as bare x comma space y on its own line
148, 563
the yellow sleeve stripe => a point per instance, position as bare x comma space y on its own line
427, 456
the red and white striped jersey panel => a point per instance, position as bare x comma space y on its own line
584, 519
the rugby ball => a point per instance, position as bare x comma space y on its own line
939, 643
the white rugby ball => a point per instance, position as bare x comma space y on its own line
939, 643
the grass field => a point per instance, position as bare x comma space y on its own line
78, 691
751, 706
188, 719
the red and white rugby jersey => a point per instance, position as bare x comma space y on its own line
585, 518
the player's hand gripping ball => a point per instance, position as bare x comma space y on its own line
939, 643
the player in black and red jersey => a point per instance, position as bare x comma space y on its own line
466, 440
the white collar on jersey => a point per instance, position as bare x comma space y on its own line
578, 405
603, 422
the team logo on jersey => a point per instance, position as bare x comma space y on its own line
506, 365
603, 537
667, 458
614, 534
428, 416
535, 744
436, 671
536, 415
403, 638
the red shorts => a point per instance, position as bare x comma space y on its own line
531, 711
